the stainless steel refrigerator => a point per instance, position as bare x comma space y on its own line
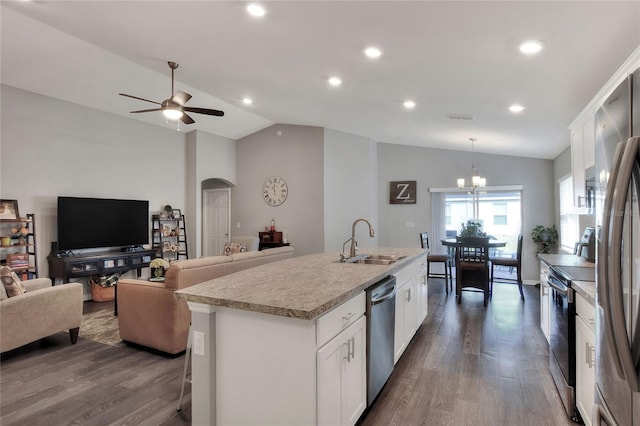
617, 393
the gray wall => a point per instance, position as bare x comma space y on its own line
51, 147
294, 153
435, 168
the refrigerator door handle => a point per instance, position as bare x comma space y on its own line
620, 336
604, 247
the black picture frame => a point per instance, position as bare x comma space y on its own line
402, 192
9, 210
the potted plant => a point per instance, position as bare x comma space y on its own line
472, 229
544, 237
158, 265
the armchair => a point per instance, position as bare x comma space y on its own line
40, 312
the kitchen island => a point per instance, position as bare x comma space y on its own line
259, 336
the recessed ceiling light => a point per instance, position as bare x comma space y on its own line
373, 52
516, 108
335, 81
408, 104
247, 101
531, 47
256, 10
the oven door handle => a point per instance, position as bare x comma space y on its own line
557, 285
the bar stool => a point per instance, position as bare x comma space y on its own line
445, 259
186, 377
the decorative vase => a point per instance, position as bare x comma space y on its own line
157, 272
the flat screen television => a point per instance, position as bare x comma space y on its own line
100, 222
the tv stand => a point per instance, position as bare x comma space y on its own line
108, 263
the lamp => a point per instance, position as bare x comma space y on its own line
476, 183
172, 114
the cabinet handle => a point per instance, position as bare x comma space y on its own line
352, 344
409, 295
580, 203
348, 345
424, 279
590, 355
349, 316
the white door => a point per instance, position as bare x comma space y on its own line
215, 220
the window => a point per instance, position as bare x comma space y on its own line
499, 213
569, 232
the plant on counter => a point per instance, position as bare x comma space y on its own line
544, 237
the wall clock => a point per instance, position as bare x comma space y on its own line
274, 191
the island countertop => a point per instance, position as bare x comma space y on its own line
302, 287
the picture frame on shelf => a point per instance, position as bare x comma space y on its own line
9, 210
176, 214
166, 229
163, 215
166, 246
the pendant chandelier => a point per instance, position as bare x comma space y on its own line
476, 182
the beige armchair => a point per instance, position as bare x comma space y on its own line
42, 311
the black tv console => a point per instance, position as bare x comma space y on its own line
108, 263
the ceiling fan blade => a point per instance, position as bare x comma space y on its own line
186, 119
146, 110
204, 111
181, 98
141, 99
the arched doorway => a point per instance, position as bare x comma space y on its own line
216, 216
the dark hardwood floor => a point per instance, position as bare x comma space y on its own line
467, 365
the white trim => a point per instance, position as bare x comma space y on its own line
201, 307
488, 188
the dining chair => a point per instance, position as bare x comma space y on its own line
511, 263
472, 266
445, 259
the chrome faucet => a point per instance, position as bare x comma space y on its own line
354, 243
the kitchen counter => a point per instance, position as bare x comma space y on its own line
303, 287
565, 260
586, 289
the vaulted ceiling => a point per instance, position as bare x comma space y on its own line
450, 57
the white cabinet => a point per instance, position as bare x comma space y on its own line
585, 358
341, 372
423, 296
583, 154
545, 299
406, 311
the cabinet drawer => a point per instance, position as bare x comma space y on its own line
586, 311
341, 317
405, 274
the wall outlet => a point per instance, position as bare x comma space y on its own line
198, 343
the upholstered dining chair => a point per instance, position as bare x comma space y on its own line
445, 259
472, 266
511, 263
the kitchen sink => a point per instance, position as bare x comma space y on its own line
378, 259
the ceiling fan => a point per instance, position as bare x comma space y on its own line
173, 108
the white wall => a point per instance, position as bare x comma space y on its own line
435, 168
208, 157
294, 153
350, 189
51, 147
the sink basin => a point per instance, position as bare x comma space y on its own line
379, 259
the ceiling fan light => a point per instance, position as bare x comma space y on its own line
172, 114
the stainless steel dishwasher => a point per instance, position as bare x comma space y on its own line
381, 314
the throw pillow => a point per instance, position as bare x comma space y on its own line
11, 282
233, 248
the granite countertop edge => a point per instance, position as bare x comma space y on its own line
248, 290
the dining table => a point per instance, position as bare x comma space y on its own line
452, 242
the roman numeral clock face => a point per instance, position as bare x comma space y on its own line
274, 191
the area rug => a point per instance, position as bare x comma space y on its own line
102, 327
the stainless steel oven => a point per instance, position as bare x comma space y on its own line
562, 334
